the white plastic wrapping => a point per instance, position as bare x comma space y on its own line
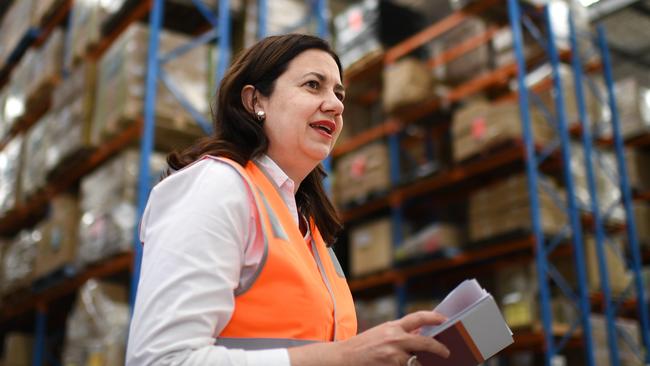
10, 158
18, 260
97, 327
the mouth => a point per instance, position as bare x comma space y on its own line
325, 126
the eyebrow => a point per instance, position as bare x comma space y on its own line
321, 77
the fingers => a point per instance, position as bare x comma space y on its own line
416, 320
418, 343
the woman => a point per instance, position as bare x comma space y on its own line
236, 269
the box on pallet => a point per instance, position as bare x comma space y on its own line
470, 64
481, 125
406, 82
14, 25
626, 344
283, 16
72, 106
59, 245
119, 99
45, 69
606, 176
637, 162
357, 32
431, 239
359, 118
85, 25
37, 140
18, 260
423, 151
12, 160
504, 208
361, 173
516, 292
108, 212
371, 313
618, 274
642, 221
18, 349
97, 326
371, 247
633, 103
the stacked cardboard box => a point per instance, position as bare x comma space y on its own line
18, 349
516, 293
45, 65
627, 356
470, 64
107, 203
86, 22
618, 274
406, 82
361, 173
633, 102
10, 165
282, 16
58, 247
371, 247
481, 125
120, 84
504, 207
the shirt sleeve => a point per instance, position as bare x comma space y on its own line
195, 233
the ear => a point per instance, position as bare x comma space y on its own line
249, 98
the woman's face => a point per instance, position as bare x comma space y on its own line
304, 112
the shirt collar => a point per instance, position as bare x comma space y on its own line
273, 171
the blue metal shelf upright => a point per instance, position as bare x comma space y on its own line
573, 231
220, 32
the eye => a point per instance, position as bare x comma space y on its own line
340, 96
313, 84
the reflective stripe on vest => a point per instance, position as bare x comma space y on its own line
299, 294
252, 344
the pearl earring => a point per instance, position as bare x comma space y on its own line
260, 115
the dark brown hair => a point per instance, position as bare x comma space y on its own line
240, 137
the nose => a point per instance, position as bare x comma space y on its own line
332, 104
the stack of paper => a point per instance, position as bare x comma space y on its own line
474, 331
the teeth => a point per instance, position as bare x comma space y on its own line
323, 127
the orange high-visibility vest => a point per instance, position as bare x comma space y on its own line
300, 294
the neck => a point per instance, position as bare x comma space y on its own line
294, 170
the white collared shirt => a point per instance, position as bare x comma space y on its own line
202, 240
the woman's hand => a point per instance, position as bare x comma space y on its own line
391, 343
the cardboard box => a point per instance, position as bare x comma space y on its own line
371, 247
361, 173
37, 140
481, 125
357, 32
406, 82
18, 349
60, 245
633, 102
470, 64
618, 274
517, 294
638, 162
18, 260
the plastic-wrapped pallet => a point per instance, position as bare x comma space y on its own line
46, 66
504, 208
86, 22
58, 248
37, 140
606, 176
282, 16
120, 84
15, 24
108, 199
356, 30
15, 104
633, 102
435, 237
10, 165
18, 260
97, 327
626, 353
481, 125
